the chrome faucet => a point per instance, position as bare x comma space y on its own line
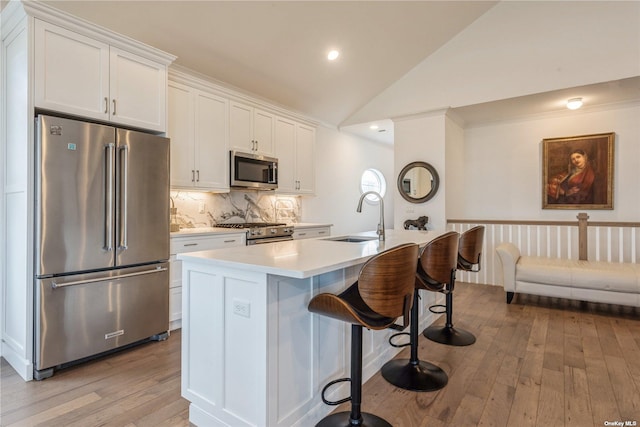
380, 230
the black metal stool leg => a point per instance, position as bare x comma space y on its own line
414, 374
447, 334
355, 417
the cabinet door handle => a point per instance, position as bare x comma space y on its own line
257, 145
193, 175
114, 107
321, 232
190, 244
198, 175
230, 241
106, 105
302, 234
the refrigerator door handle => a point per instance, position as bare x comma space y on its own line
124, 173
108, 238
55, 285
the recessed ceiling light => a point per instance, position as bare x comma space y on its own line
373, 127
574, 103
333, 55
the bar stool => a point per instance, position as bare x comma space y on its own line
436, 268
382, 293
469, 251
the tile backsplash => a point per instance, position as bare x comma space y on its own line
196, 209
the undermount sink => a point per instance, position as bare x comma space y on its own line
352, 239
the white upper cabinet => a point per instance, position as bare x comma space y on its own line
198, 128
295, 144
71, 72
138, 89
79, 75
285, 135
305, 159
250, 129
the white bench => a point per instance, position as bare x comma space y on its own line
596, 281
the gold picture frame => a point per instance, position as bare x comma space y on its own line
577, 172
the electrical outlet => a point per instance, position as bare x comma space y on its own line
242, 308
201, 207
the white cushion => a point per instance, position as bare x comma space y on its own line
579, 274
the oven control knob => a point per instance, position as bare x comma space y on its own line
274, 231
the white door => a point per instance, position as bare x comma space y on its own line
138, 91
181, 132
241, 127
285, 136
71, 72
305, 160
263, 124
211, 136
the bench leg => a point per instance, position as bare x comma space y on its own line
510, 297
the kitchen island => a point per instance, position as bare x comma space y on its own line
252, 354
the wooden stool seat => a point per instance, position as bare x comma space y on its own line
469, 252
383, 293
436, 268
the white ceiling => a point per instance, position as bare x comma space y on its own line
277, 51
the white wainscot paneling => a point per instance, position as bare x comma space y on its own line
605, 243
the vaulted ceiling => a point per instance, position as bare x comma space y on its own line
278, 50
486, 59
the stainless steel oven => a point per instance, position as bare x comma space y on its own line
253, 171
263, 232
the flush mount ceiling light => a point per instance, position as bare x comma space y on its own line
333, 55
574, 103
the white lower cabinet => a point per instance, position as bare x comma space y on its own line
183, 244
310, 233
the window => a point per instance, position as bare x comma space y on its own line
373, 180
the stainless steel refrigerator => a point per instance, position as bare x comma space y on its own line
101, 240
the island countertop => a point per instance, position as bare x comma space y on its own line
306, 258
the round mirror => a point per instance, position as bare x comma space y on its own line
418, 182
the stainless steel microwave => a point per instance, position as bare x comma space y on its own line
253, 171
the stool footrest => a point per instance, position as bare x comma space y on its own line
337, 402
438, 309
399, 345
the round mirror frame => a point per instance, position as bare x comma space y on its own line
434, 187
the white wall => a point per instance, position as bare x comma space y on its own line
340, 160
421, 139
503, 165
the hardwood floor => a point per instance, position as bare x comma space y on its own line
536, 362
136, 387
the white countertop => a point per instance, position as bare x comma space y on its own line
308, 257
221, 230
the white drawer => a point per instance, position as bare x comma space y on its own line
309, 233
180, 245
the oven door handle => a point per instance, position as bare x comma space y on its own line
269, 240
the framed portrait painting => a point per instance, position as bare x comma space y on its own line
577, 172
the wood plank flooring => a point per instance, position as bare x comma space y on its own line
536, 362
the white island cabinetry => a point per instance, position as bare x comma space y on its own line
184, 242
252, 354
88, 77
